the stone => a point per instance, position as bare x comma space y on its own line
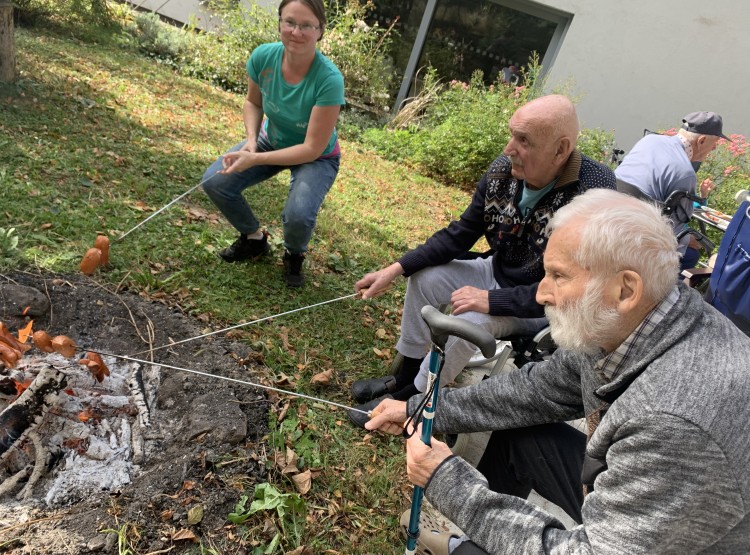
97, 543
15, 299
217, 416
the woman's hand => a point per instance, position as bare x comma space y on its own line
237, 161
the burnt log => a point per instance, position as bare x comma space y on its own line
29, 409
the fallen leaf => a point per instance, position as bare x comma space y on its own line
282, 412
25, 332
166, 514
184, 534
302, 481
322, 378
380, 333
301, 550
195, 515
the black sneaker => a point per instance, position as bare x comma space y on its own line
245, 249
293, 269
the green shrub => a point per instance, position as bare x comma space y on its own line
220, 56
157, 39
360, 52
33, 12
456, 130
597, 144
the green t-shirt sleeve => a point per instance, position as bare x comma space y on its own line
331, 91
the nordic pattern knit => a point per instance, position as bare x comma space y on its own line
517, 243
676, 443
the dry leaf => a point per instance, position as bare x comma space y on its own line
184, 534
380, 333
303, 481
166, 514
322, 378
301, 550
25, 332
378, 352
195, 515
282, 412
289, 462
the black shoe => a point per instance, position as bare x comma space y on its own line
293, 269
245, 249
360, 418
365, 390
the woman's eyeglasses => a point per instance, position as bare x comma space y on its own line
289, 25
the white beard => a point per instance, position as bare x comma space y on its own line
584, 325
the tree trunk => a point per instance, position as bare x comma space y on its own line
7, 43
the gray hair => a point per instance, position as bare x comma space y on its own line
619, 232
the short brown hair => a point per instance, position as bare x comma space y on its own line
316, 7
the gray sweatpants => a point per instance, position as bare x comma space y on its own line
434, 286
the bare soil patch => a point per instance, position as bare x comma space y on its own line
204, 441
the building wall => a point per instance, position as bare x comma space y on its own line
645, 64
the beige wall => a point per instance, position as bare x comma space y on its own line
646, 63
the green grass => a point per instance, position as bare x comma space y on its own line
94, 137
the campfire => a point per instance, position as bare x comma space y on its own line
73, 426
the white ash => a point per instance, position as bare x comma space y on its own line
95, 430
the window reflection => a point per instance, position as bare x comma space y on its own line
467, 36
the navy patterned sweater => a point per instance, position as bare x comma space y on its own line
516, 242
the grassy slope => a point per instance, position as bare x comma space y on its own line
94, 137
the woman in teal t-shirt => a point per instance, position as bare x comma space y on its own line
301, 92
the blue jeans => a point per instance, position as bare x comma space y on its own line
308, 187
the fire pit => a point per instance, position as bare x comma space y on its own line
143, 446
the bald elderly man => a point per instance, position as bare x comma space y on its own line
662, 380
539, 171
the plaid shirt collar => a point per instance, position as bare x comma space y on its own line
610, 366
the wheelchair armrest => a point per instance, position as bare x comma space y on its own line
695, 276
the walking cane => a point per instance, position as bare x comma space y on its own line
441, 327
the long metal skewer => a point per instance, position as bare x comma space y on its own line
243, 382
163, 208
244, 324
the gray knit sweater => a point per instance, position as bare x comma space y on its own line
676, 443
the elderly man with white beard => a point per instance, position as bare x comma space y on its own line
661, 378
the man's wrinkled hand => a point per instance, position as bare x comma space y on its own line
376, 283
470, 299
422, 460
389, 416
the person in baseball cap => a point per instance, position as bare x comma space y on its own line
660, 165
704, 123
